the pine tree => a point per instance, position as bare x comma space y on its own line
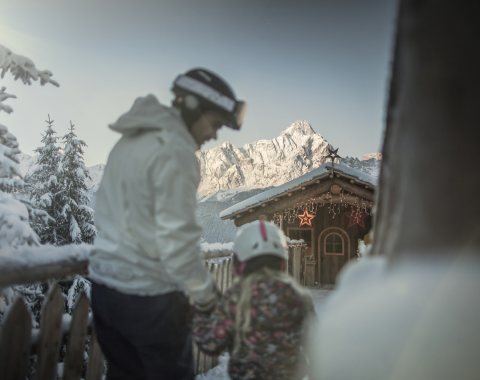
44, 187
76, 216
11, 181
77, 226
13, 221
15, 213
14, 228
15, 208
9, 171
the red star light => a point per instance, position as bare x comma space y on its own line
357, 218
306, 218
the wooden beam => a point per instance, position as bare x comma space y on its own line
349, 199
356, 189
25, 273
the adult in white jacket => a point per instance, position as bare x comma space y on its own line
146, 256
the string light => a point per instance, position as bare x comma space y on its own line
343, 201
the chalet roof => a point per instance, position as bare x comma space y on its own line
321, 172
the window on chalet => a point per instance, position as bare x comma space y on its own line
334, 244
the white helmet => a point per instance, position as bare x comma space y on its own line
260, 238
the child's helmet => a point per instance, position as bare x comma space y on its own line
203, 89
260, 238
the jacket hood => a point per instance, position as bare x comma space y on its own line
147, 114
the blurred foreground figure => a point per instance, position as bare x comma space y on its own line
146, 259
412, 310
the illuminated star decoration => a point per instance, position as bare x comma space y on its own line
306, 218
357, 218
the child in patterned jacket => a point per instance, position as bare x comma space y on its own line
262, 318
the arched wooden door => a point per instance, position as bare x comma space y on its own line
333, 253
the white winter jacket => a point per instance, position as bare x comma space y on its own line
148, 236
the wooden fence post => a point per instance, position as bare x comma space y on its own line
95, 359
76, 343
50, 335
15, 342
229, 272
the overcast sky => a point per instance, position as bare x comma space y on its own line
325, 61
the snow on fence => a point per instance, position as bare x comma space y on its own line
19, 343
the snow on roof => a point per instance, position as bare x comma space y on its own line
322, 171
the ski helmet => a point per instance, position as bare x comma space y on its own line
200, 90
260, 238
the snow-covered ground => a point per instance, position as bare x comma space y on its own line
319, 296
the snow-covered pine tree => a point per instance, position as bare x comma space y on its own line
77, 217
14, 215
15, 230
78, 224
10, 179
44, 187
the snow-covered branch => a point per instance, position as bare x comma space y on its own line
23, 68
15, 232
5, 96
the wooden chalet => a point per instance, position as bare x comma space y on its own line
328, 210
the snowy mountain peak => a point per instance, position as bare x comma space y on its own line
299, 127
263, 163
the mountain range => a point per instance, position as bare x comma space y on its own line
230, 174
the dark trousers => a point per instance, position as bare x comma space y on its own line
143, 337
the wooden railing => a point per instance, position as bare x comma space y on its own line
19, 343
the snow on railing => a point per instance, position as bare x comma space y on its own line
35, 264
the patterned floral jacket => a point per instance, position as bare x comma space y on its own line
272, 347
